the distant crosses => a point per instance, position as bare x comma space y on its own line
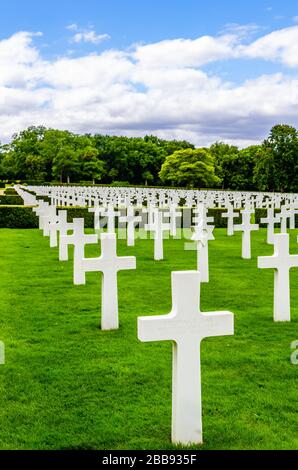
173, 214
230, 215
111, 214
202, 234
79, 239
41, 210
131, 220
284, 215
281, 261
46, 218
158, 227
186, 326
270, 220
246, 227
98, 212
109, 264
292, 214
151, 210
60, 225
200, 212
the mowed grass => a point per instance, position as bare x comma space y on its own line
68, 385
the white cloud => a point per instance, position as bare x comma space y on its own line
72, 27
89, 36
280, 45
157, 88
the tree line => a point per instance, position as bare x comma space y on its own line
38, 155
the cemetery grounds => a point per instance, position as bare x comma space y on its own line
66, 384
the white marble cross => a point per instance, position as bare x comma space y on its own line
186, 326
284, 215
111, 214
202, 234
59, 225
270, 220
98, 212
281, 261
158, 227
292, 211
109, 264
40, 211
246, 227
131, 220
79, 239
200, 212
173, 214
47, 218
230, 215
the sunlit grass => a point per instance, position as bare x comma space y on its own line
66, 384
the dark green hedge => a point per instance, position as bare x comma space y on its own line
11, 200
79, 212
219, 221
262, 213
10, 192
17, 217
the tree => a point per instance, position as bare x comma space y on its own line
23, 153
190, 167
224, 156
236, 167
281, 150
65, 163
264, 170
92, 167
35, 167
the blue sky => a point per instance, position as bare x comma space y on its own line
129, 21
75, 31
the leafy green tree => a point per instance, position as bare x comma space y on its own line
35, 168
264, 170
224, 157
65, 163
190, 167
92, 167
23, 145
281, 158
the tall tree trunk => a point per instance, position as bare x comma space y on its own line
68, 179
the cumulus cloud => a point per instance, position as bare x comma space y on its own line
72, 27
90, 36
160, 88
86, 35
278, 46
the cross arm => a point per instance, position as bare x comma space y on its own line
155, 328
267, 262
127, 262
91, 238
218, 323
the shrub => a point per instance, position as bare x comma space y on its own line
17, 217
262, 213
11, 200
79, 212
10, 192
220, 221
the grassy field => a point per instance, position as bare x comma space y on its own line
68, 385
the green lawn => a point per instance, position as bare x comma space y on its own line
68, 385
